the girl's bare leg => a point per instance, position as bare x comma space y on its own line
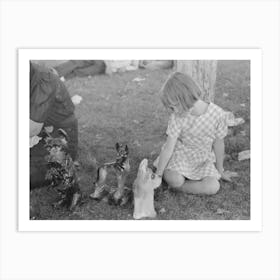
208, 185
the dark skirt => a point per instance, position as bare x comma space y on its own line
38, 164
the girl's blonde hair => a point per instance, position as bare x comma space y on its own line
181, 89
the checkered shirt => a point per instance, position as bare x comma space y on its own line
193, 156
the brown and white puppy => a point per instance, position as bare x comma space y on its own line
143, 192
121, 168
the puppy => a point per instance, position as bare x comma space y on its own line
121, 168
143, 192
61, 173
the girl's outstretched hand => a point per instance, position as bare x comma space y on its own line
227, 175
157, 179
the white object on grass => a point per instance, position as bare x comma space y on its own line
76, 99
222, 211
138, 79
143, 192
230, 174
244, 155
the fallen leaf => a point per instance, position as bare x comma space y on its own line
244, 155
232, 121
222, 211
138, 79
76, 99
239, 121
98, 136
231, 173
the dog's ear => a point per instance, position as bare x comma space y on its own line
63, 133
117, 146
126, 148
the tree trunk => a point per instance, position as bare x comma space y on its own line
203, 72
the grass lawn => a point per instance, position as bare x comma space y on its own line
117, 109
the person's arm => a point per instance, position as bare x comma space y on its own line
34, 128
219, 150
165, 154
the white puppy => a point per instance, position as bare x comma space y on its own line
143, 192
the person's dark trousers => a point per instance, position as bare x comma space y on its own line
98, 67
80, 68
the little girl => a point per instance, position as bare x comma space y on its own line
192, 157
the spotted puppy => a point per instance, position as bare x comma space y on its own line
61, 172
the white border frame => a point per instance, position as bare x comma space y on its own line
254, 224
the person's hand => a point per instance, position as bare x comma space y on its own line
227, 175
34, 141
156, 179
155, 163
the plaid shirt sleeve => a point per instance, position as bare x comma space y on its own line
222, 127
174, 127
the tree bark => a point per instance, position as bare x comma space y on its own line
203, 72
